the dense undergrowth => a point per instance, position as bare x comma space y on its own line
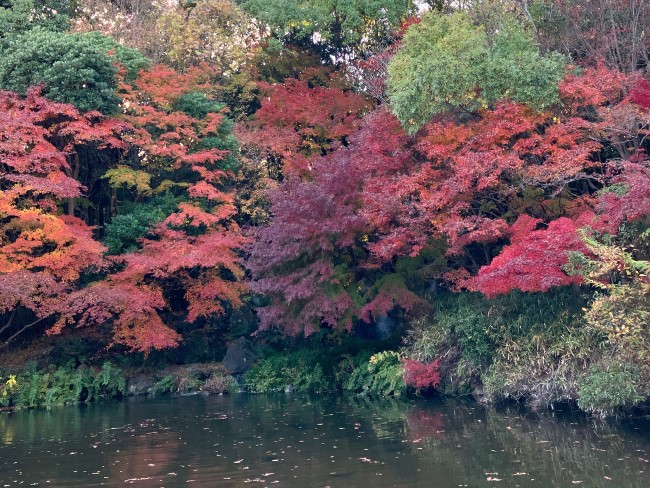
532, 348
326, 370
64, 385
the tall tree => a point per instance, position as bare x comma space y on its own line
446, 62
335, 27
44, 254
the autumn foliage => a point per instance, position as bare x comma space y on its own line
152, 144
142, 221
297, 122
420, 375
507, 190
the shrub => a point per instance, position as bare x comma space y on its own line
447, 62
606, 391
421, 375
109, 382
522, 346
165, 386
386, 374
301, 370
61, 386
188, 383
218, 383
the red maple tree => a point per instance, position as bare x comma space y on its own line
297, 122
43, 253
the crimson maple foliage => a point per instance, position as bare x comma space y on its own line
562, 155
297, 122
316, 261
640, 95
196, 247
480, 183
533, 260
43, 254
39, 142
421, 375
152, 143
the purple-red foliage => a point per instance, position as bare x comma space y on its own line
297, 122
386, 194
312, 258
633, 204
640, 95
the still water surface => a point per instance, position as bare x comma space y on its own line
294, 441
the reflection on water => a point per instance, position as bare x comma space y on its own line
295, 441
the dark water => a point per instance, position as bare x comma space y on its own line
295, 441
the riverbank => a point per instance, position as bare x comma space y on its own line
313, 372
524, 348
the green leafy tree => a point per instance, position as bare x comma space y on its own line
72, 67
339, 24
135, 221
19, 16
130, 59
447, 62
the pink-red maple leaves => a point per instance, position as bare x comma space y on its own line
297, 122
44, 254
534, 259
196, 247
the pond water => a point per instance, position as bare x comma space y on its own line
295, 441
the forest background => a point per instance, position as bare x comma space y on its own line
386, 197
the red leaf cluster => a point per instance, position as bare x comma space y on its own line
533, 260
421, 375
38, 139
297, 122
506, 176
319, 244
634, 202
43, 254
640, 95
197, 246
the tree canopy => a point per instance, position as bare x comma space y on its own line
332, 25
185, 175
72, 68
447, 62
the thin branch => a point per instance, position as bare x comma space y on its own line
6, 343
8, 324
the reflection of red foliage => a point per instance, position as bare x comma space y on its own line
421, 375
424, 424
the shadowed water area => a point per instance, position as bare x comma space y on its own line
287, 440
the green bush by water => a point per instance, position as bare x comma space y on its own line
608, 391
302, 370
60, 386
323, 370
